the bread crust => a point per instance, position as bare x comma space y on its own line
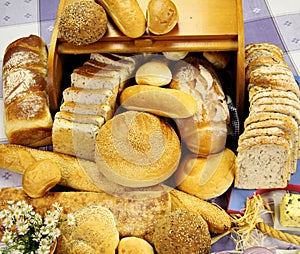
26, 108
127, 16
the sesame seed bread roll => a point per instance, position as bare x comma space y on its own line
158, 100
137, 149
127, 16
82, 22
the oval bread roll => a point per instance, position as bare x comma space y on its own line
137, 149
127, 16
207, 177
162, 16
134, 245
158, 100
153, 73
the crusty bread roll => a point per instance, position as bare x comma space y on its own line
158, 100
26, 109
137, 149
95, 231
82, 22
134, 245
40, 177
219, 59
127, 16
155, 73
207, 177
162, 16
182, 232
205, 132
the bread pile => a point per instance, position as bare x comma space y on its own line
27, 118
268, 148
89, 102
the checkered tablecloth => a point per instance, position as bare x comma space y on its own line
274, 21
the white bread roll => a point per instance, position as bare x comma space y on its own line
134, 245
208, 177
162, 16
137, 149
158, 100
26, 109
127, 16
155, 73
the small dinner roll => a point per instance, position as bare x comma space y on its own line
82, 22
162, 16
40, 177
154, 73
134, 245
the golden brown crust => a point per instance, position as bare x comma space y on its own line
182, 230
27, 115
82, 22
218, 219
135, 213
127, 16
137, 149
40, 177
134, 245
95, 230
160, 101
206, 177
162, 16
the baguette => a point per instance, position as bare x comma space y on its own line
217, 219
136, 213
74, 171
127, 16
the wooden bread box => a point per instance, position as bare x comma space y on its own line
204, 25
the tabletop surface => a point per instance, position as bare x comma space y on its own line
273, 21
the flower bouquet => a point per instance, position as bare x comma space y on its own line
25, 231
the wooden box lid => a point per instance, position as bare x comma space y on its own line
204, 25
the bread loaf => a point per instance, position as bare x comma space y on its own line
205, 132
27, 118
137, 149
127, 16
136, 213
270, 141
158, 100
